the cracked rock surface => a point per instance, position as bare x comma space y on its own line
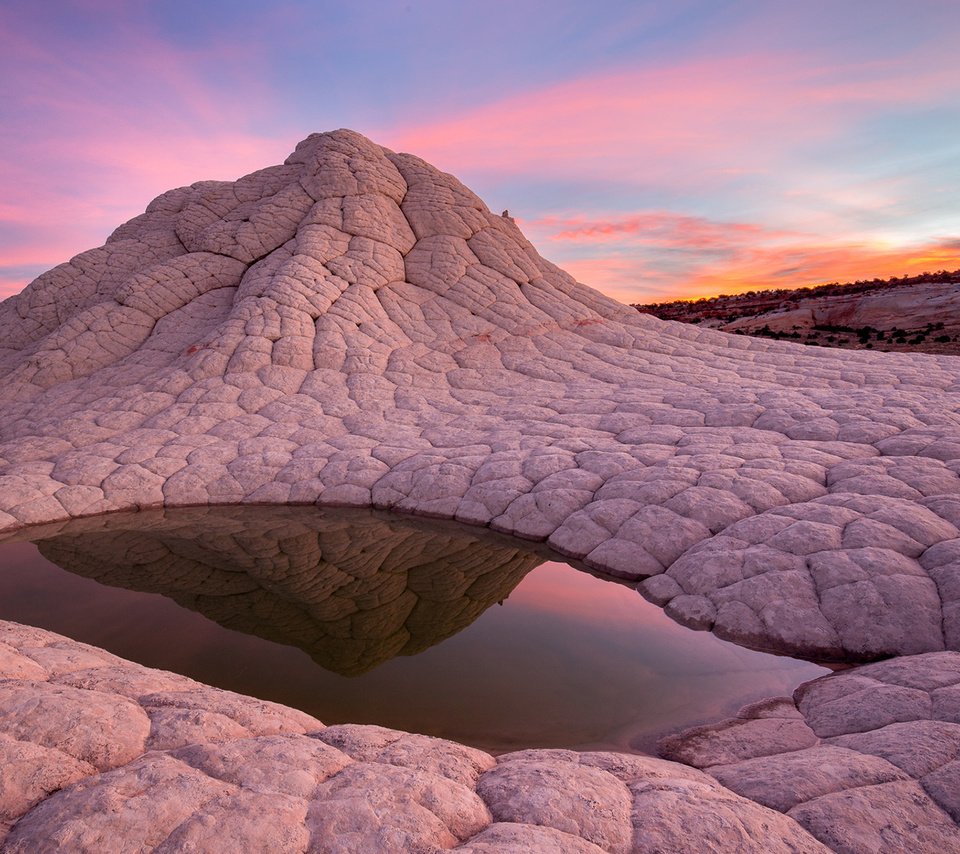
102, 754
354, 327
866, 760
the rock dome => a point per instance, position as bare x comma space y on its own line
354, 327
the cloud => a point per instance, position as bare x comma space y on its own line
709, 169
107, 136
638, 277
660, 228
798, 265
716, 118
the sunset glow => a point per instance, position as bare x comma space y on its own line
654, 153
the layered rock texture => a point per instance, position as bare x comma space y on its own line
354, 327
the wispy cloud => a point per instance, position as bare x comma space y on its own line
716, 118
659, 228
651, 152
650, 271
107, 136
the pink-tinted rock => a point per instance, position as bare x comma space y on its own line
572, 798
694, 817
257, 717
863, 708
31, 773
787, 779
103, 730
503, 837
736, 739
918, 747
372, 807
135, 807
888, 818
943, 785
243, 821
173, 728
435, 755
13, 665
285, 765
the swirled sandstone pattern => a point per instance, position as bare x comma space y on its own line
355, 327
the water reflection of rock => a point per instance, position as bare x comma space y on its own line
351, 589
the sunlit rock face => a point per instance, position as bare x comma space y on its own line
351, 589
355, 327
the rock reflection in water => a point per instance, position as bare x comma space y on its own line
352, 589
569, 661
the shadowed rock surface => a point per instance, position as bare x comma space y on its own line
355, 327
351, 590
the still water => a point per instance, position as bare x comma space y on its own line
355, 616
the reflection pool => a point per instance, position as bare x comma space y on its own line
368, 618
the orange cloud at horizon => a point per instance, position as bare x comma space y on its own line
762, 268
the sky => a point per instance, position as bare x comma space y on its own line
655, 150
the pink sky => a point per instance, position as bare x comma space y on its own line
653, 154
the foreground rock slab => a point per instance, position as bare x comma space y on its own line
866, 760
354, 327
100, 754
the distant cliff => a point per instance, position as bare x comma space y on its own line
918, 313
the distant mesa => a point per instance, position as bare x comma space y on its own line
916, 314
355, 327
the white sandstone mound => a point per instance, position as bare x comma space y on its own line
355, 327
